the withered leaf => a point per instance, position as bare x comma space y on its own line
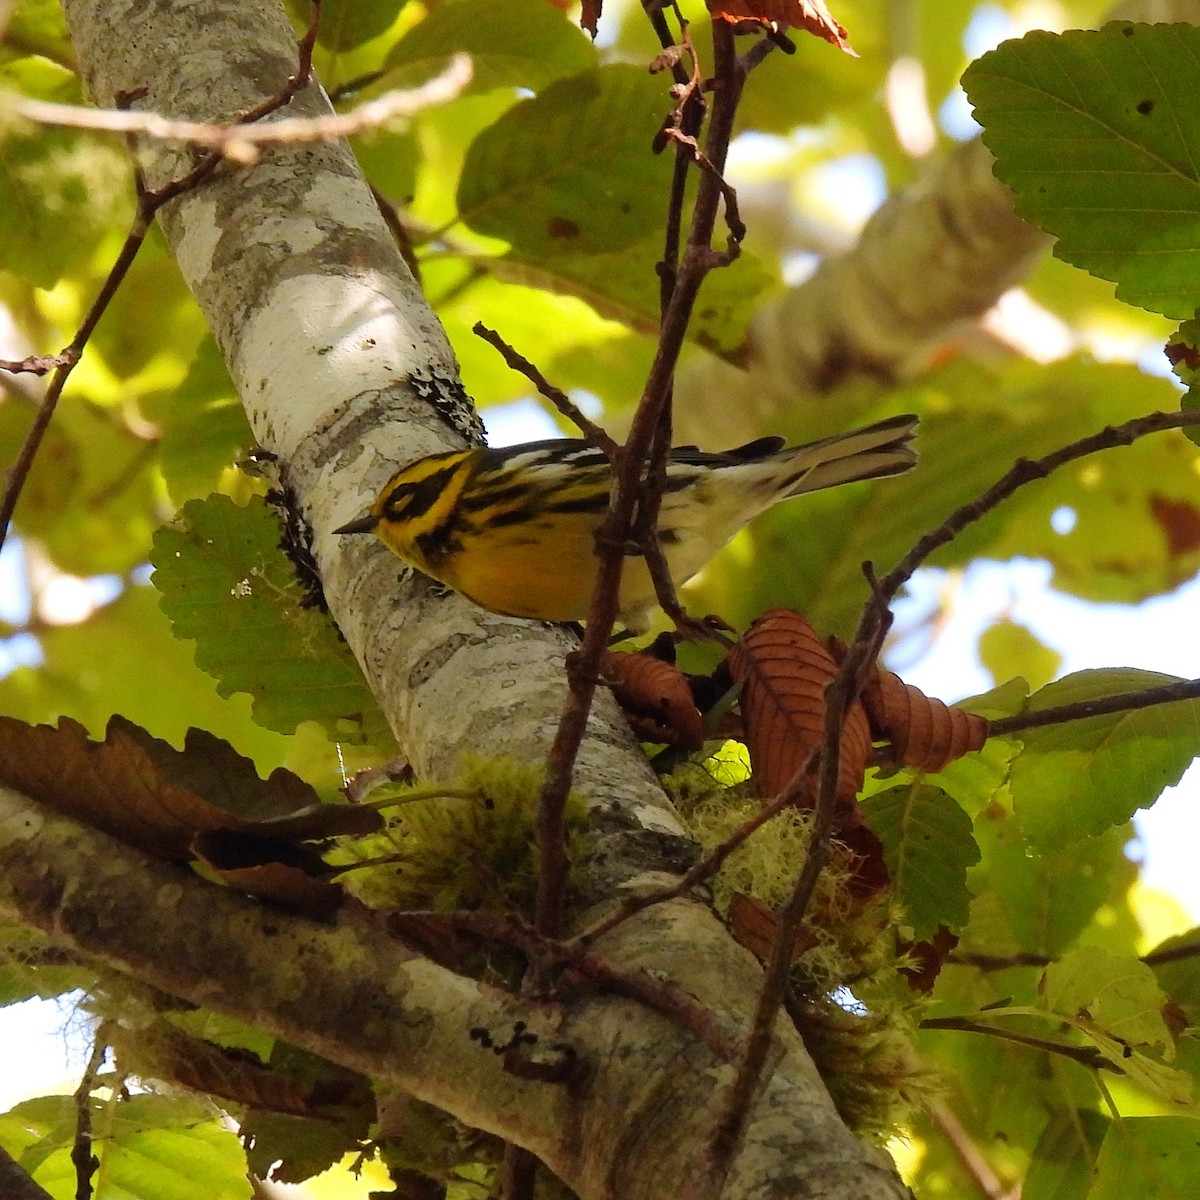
813, 16
655, 697
784, 668
151, 796
924, 732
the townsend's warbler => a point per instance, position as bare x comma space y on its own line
513, 529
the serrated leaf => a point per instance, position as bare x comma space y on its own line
150, 795
1108, 993
928, 846
512, 43
1075, 779
166, 1147
571, 170
1043, 901
32, 966
1152, 1158
1097, 132
225, 584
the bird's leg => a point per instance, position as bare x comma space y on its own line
689, 628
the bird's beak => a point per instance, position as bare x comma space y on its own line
361, 525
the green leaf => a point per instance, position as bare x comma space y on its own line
348, 23
571, 170
1040, 903
1065, 1157
204, 426
92, 504
148, 1146
125, 660
37, 27
1008, 648
1152, 1158
1097, 132
1113, 994
928, 847
61, 191
512, 43
225, 584
1180, 978
1075, 779
28, 967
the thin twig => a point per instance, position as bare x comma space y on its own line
613, 535
706, 868
82, 1158
565, 405
243, 144
1023, 471
520, 1173
969, 1154
656, 993
735, 1106
1166, 693
148, 204
1086, 1056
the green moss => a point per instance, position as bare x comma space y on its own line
470, 847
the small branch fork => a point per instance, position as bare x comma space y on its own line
628, 496
149, 201
236, 142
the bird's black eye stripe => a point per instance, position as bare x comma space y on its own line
408, 501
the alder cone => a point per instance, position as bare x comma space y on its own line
784, 669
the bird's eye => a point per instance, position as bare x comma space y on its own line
397, 501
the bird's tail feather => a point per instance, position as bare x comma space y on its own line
868, 453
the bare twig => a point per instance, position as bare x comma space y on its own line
706, 868
659, 994
83, 1160
839, 695
148, 203
969, 1154
243, 144
1023, 471
565, 405
627, 493
520, 1173
1086, 1056
1167, 693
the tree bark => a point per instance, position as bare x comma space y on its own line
333, 348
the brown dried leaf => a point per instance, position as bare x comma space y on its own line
238, 1075
589, 18
924, 732
755, 925
810, 15
292, 877
655, 698
864, 858
154, 797
784, 668
928, 958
